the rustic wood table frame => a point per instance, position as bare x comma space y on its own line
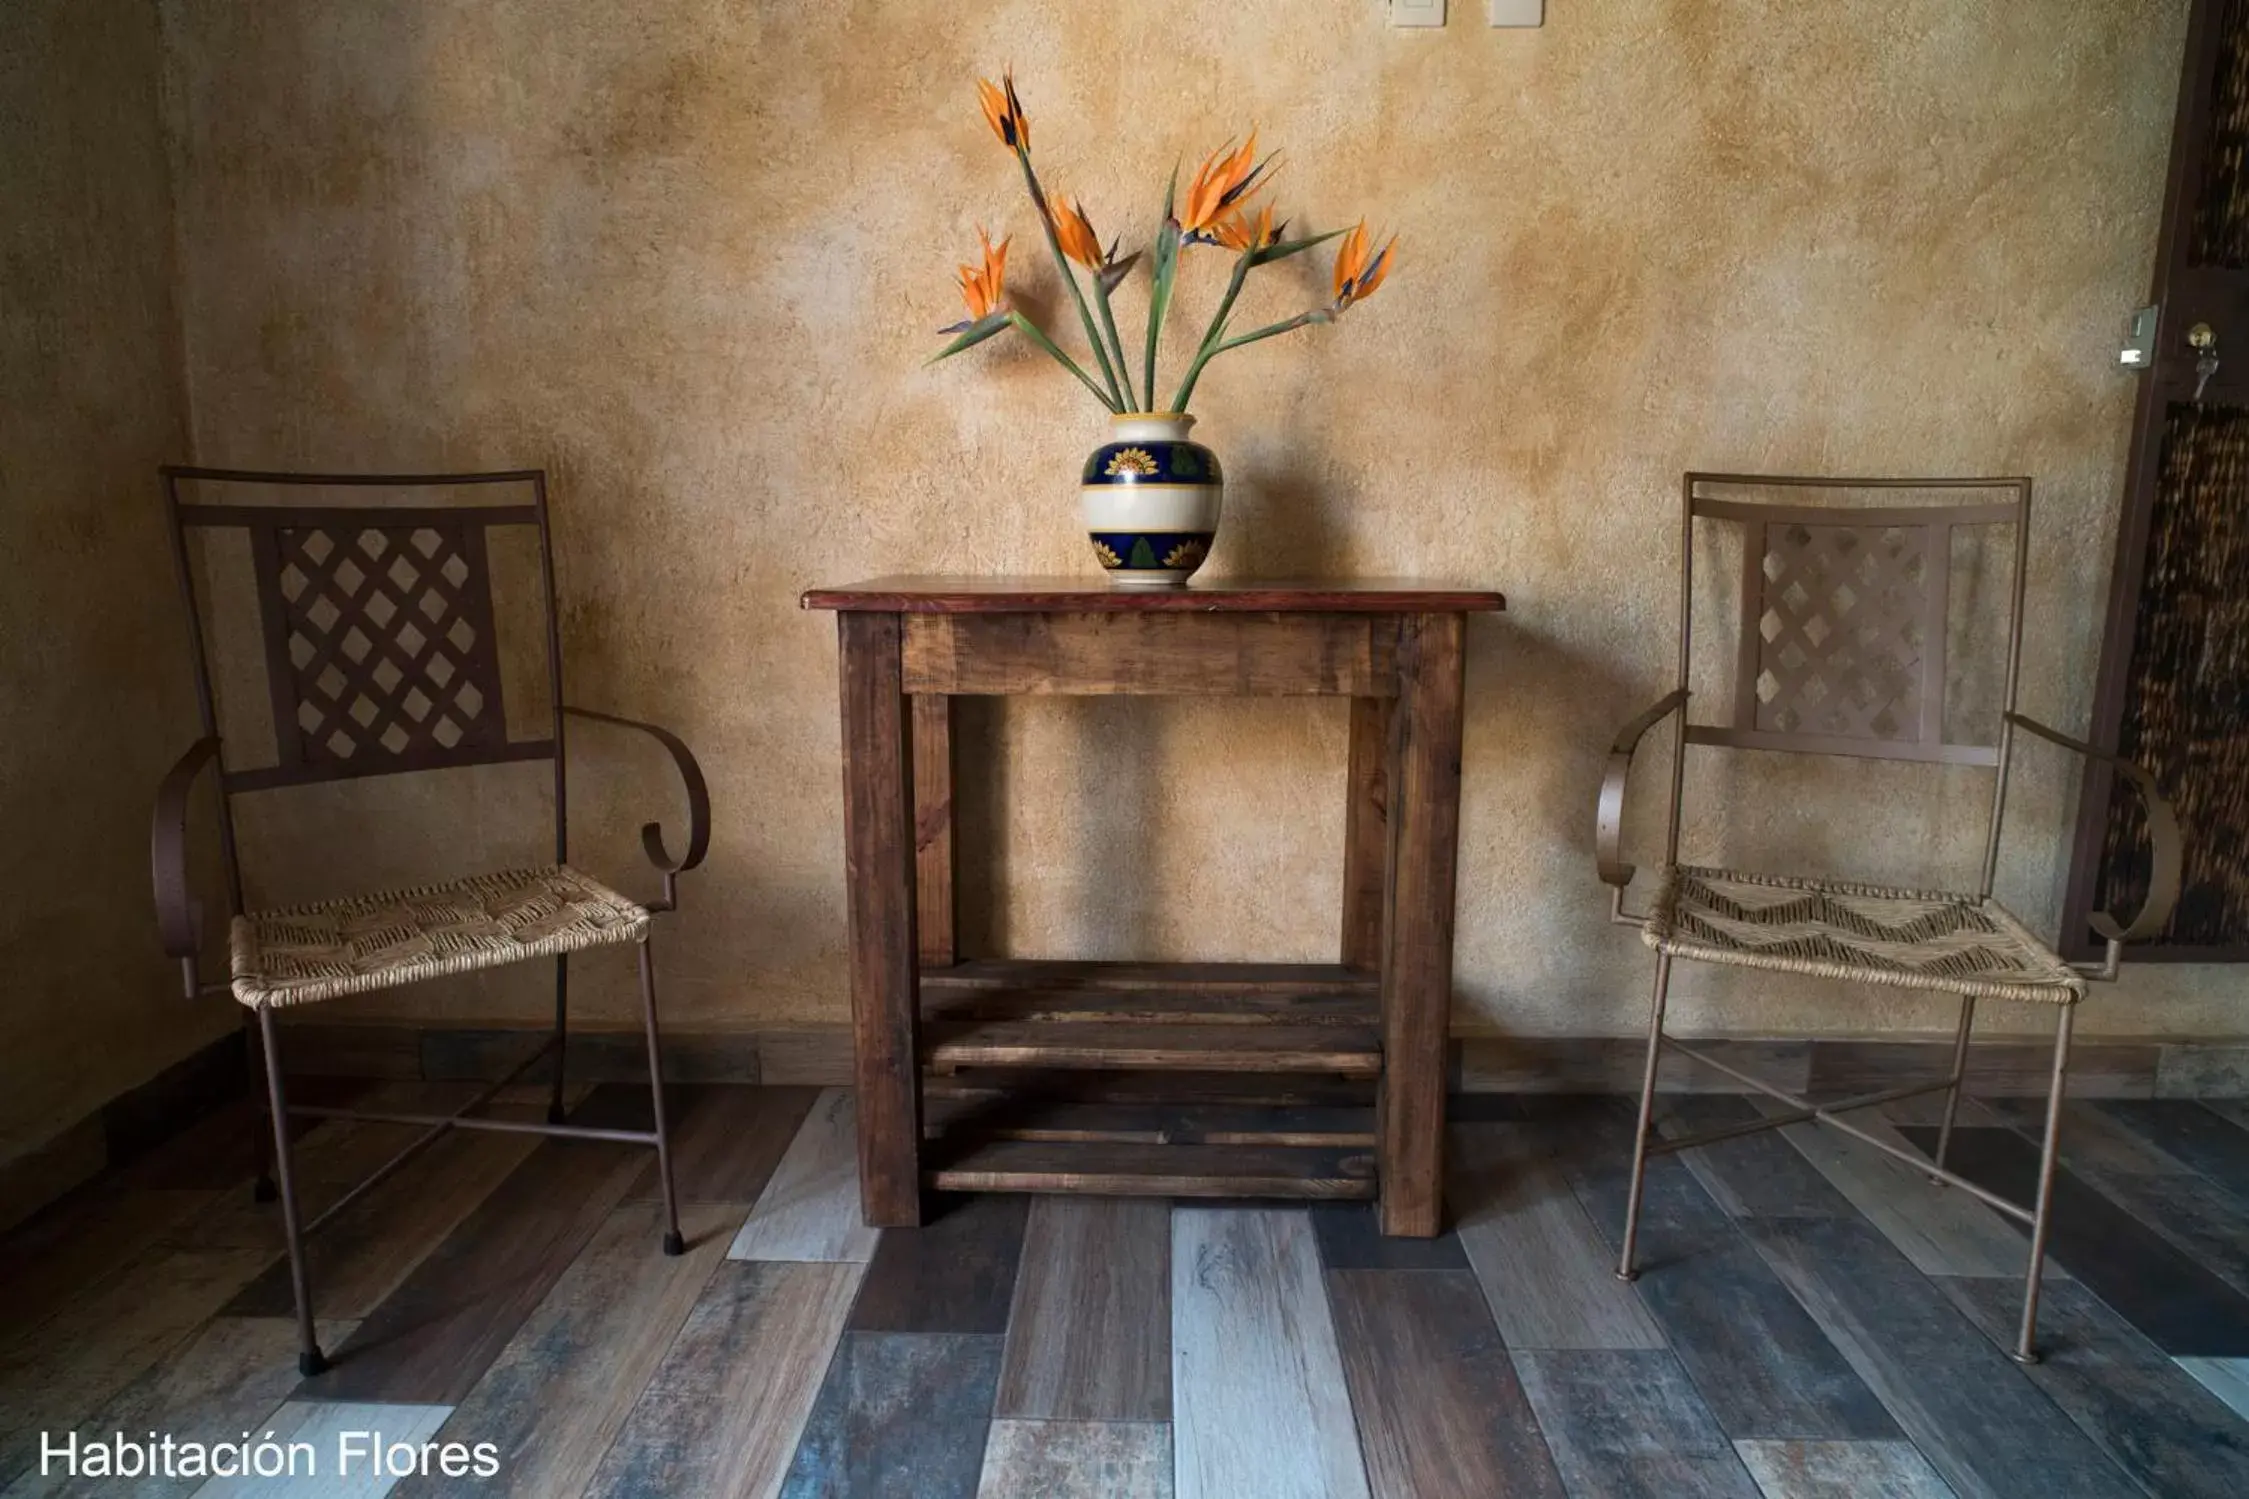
1397, 650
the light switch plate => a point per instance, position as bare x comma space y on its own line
1518, 12
1417, 12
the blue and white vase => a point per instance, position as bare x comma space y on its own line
1152, 500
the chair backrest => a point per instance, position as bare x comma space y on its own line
377, 626
1845, 612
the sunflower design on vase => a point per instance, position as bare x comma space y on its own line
1151, 497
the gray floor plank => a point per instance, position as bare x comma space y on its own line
1941, 1230
1750, 1176
2191, 1132
2226, 1378
560, 1391
1979, 1419
809, 1209
1258, 1398
722, 1413
1077, 1460
1089, 1336
900, 1416
1350, 1238
1439, 1407
1842, 1470
1547, 1273
1763, 1364
1629, 1424
2148, 1414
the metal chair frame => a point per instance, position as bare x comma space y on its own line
1920, 739
387, 743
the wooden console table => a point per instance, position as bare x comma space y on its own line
1197, 1079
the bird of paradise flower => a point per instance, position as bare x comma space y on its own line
1216, 212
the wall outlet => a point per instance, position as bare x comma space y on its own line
1518, 12
1417, 12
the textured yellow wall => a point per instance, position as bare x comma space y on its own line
93, 697
690, 255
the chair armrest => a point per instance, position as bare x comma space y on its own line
698, 803
1608, 831
179, 916
2163, 835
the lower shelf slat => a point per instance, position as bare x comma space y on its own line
1017, 1117
1117, 1169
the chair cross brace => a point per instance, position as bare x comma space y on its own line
1803, 1110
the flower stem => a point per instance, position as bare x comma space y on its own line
1212, 351
1116, 397
1035, 334
1109, 323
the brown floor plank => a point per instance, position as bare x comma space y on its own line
899, 1414
1628, 1424
366, 1252
1841, 1470
433, 1338
226, 1379
1077, 1460
1090, 1334
75, 1244
559, 1394
61, 1371
956, 1273
1438, 1405
1546, 1272
726, 1140
721, 1415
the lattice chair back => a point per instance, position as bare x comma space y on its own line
1844, 617
380, 646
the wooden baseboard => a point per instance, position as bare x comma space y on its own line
128, 1126
821, 1054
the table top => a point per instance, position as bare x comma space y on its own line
1094, 595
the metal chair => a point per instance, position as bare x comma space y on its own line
380, 656
1844, 611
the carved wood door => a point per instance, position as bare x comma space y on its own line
2173, 691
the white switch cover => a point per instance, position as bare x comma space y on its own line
1417, 12
1518, 12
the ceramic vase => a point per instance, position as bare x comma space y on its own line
1151, 500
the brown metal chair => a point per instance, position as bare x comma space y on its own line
381, 656
1844, 612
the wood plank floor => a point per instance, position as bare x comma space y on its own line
1812, 1319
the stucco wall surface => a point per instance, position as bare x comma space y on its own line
93, 697
690, 256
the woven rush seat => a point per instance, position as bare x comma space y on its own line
354, 946
1910, 939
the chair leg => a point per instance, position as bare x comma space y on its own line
673, 1243
310, 1360
561, 1032
1625, 1270
2026, 1351
1959, 1071
263, 1189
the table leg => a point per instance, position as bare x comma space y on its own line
1366, 832
878, 842
1417, 932
933, 830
